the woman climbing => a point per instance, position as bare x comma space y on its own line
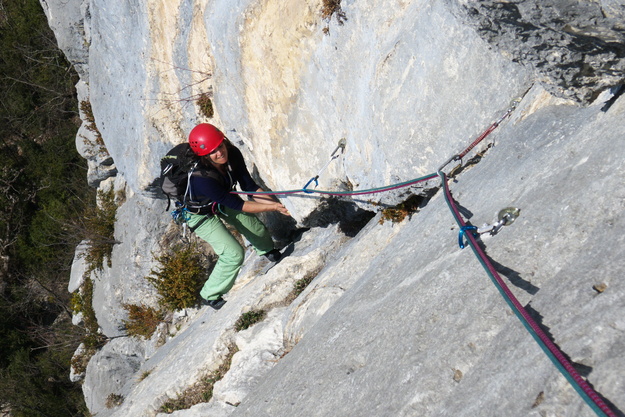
221, 166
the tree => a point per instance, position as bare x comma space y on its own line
42, 188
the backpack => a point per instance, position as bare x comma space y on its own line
177, 167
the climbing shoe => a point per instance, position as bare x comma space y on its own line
216, 304
273, 255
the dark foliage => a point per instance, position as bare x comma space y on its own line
43, 186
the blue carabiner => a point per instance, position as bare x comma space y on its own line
463, 230
308, 183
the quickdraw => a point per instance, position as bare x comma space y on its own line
333, 156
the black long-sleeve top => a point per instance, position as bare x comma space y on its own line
206, 187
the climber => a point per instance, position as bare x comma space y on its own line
217, 154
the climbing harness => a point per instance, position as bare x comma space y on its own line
333, 156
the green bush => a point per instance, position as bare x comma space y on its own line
37, 385
142, 321
83, 301
206, 105
249, 319
179, 278
100, 230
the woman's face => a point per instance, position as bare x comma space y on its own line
220, 155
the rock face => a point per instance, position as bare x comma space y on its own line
575, 47
397, 320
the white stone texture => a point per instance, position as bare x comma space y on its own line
109, 369
79, 267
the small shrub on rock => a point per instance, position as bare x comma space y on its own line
114, 400
249, 319
205, 104
333, 8
399, 212
142, 321
99, 225
179, 278
300, 285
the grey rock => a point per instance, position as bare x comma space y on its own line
69, 19
109, 369
79, 267
260, 348
425, 319
213, 409
78, 319
90, 144
576, 48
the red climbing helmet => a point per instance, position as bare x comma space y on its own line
205, 138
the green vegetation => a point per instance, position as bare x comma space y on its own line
142, 321
144, 375
114, 400
300, 285
180, 276
82, 302
43, 190
249, 319
202, 391
87, 112
205, 104
98, 224
404, 209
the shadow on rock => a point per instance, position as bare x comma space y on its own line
350, 218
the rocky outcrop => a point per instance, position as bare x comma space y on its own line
397, 320
576, 48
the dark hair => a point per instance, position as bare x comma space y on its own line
206, 161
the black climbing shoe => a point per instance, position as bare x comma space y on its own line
273, 255
216, 304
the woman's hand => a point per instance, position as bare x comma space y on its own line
279, 207
263, 203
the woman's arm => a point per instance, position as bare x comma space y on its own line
263, 203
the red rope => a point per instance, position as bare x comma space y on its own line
478, 140
486, 133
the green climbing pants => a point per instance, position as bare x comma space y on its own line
230, 252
